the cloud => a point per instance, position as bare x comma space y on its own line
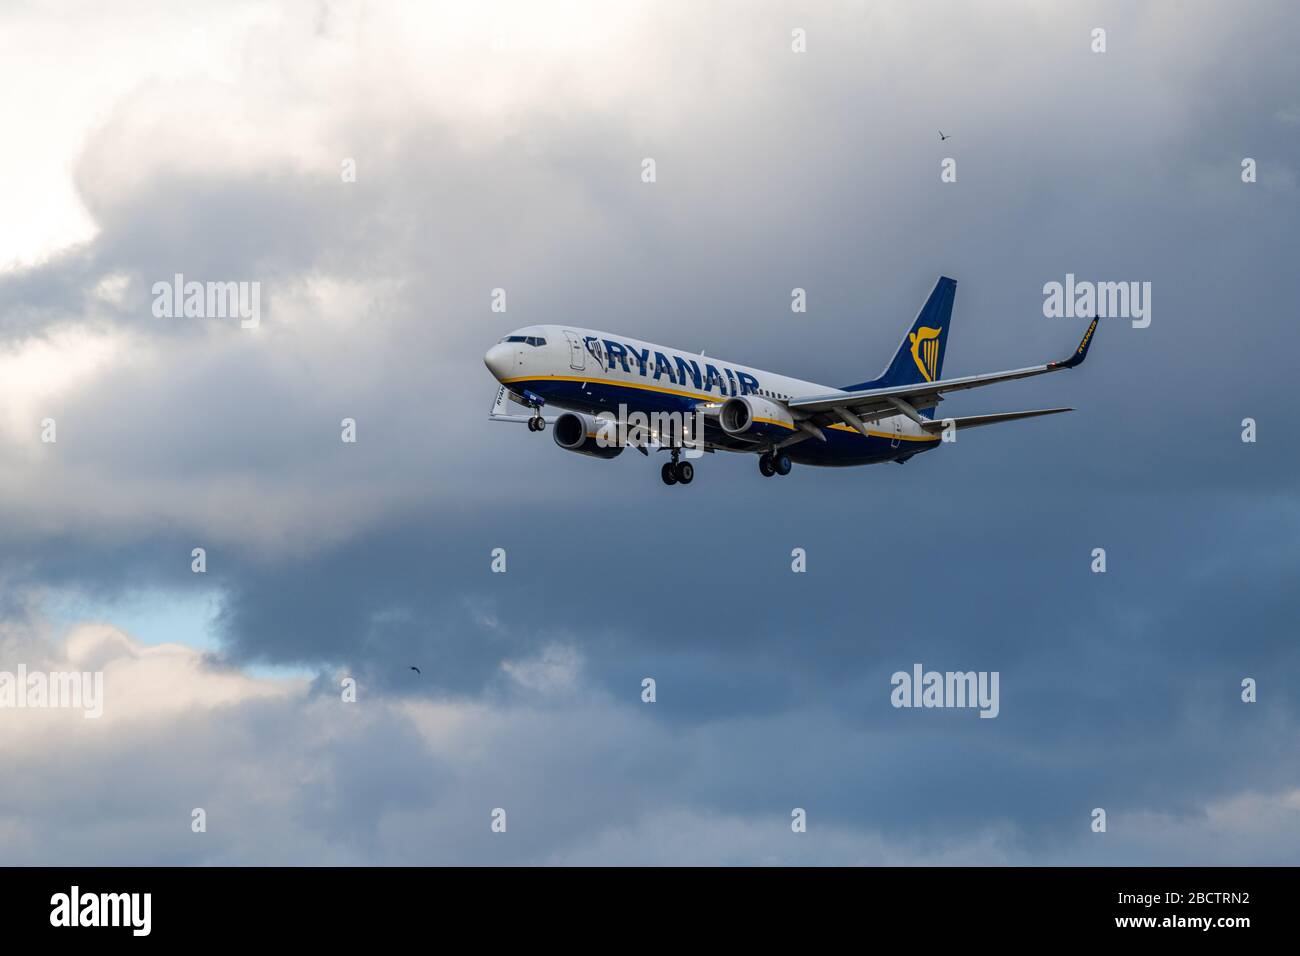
286, 772
289, 772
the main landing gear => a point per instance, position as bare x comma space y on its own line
770, 464
536, 424
677, 472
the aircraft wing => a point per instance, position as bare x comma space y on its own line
872, 404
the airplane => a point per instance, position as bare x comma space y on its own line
597, 377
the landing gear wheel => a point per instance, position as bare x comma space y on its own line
782, 464
765, 465
668, 473
539, 424
532, 424
685, 472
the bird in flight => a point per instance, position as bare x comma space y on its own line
942, 137
417, 670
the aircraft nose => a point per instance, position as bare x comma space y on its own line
499, 360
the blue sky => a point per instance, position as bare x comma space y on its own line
502, 147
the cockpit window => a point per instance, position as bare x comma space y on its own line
526, 339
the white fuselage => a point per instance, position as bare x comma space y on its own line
588, 370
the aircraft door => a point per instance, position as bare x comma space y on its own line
577, 358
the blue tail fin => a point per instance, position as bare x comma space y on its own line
920, 356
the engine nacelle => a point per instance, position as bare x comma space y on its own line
576, 432
753, 418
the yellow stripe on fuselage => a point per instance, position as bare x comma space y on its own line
698, 397
773, 421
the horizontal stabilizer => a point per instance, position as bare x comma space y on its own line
974, 421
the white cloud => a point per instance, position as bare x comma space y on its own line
114, 51
555, 669
38, 371
144, 686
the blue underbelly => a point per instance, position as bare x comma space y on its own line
843, 446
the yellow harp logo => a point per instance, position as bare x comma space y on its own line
925, 350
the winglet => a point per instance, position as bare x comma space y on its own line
1081, 352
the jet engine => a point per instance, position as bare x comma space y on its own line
577, 432
753, 418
